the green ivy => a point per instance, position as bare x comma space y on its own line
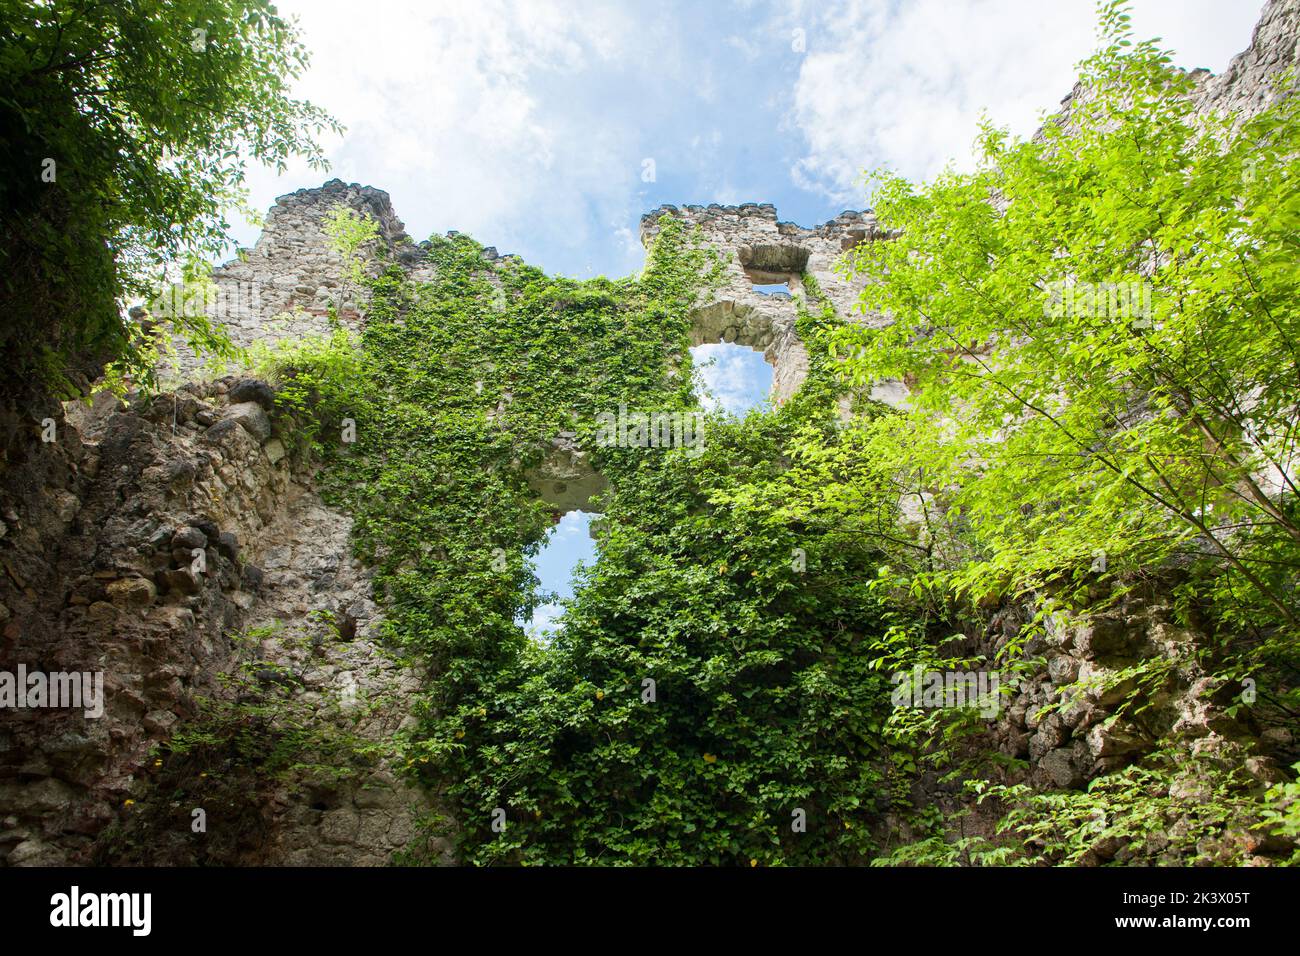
763, 742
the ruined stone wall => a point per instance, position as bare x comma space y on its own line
285, 286
758, 249
1073, 721
1247, 85
101, 528
1060, 720
98, 526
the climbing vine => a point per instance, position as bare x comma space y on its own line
711, 697
720, 691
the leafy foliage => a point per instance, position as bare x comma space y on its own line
1168, 811
708, 689
350, 233
1099, 330
128, 128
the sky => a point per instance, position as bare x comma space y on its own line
567, 543
734, 378
547, 128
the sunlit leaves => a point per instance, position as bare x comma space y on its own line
1056, 425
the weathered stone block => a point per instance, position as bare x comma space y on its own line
132, 592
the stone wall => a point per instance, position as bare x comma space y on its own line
98, 552
1247, 85
98, 529
285, 286
758, 249
1081, 717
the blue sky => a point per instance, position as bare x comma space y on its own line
568, 543
547, 127
733, 378
528, 124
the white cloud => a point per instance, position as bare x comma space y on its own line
447, 107
736, 378
903, 85
747, 48
525, 122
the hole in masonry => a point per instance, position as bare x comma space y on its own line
567, 544
772, 262
731, 377
772, 288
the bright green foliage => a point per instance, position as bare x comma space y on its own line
1283, 812
765, 702
755, 628
350, 234
1054, 421
1173, 810
128, 127
321, 384
1098, 328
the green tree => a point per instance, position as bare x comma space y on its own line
1099, 330
350, 233
128, 127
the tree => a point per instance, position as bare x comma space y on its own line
128, 129
350, 233
1099, 329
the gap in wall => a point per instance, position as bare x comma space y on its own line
730, 377
567, 544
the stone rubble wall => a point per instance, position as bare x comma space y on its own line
285, 286
1073, 721
97, 549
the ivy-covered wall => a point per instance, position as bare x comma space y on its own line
711, 698
723, 690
